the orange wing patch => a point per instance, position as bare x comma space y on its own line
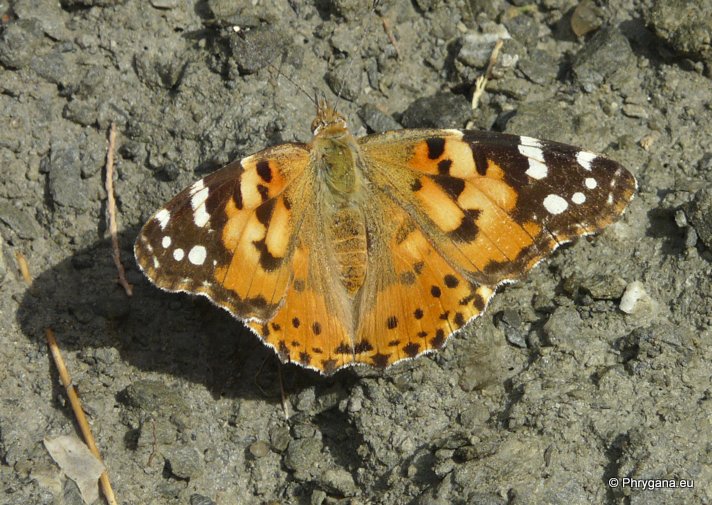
470, 201
417, 302
311, 327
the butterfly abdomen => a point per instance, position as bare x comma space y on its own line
346, 231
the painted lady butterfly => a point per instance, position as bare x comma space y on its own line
375, 249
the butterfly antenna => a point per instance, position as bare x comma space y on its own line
241, 33
372, 11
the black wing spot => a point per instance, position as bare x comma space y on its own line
436, 147
264, 212
298, 285
363, 346
268, 262
392, 322
451, 281
283, 350
478, 302
316, 328
439, 339
435, 291
453, 186
343, 348
418, 314
411, 350
296, 322
304, 358
416, 185
380, 360
263, 191
459, 319
329, 365
264, 171
468, 229
480, 161
444, 167
407, 278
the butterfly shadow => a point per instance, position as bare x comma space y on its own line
174, 335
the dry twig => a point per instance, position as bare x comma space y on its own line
79, 413
482, 80
24, 267
111, 210
389, 34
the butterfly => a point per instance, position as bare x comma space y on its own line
375, 249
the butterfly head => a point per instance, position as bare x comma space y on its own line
328, 122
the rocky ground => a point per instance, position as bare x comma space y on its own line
548, 396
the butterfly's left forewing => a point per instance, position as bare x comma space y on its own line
230, 235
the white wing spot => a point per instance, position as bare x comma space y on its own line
197, 255
528, 141
156, 264
578, 198
591, 183
166, 242
584, 158
532, 152
554, 204
609, 200
455, 133
197, 201
178, 254
201, 216
537, 168
162, 216
197, 186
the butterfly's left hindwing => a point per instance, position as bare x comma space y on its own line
228, 236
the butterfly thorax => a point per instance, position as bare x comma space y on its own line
337, 161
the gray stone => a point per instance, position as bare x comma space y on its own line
684, 25
199, 499
376, 120
562, 326
338, 481
19, 42
165, 4
304, 458
279, 438
476, 48
607, 57
604, 287
149, 395
699, 215
586, 18
442, 110
539, 68
259, 449
185, 462
345, 79
20, 221
66, 187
